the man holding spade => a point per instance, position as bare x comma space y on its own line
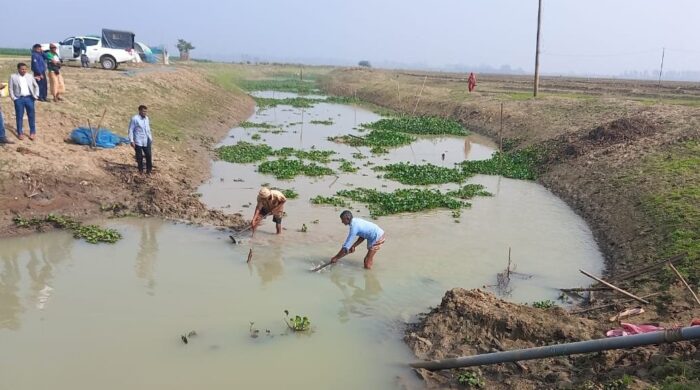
363, 230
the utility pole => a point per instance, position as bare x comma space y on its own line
663, 53
537, 50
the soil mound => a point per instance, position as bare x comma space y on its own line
473, 322
623, 129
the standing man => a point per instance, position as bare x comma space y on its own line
471, 81
364, 230
39, 70
141, 138
269, 202
3, 138
24, 91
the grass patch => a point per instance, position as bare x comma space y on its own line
90, 233
521, 164
674, 203
402, 200
244, 152
289, 169
283, 85
6, 51
412, 174
419, 125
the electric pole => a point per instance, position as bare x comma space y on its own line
537, 50
663, 53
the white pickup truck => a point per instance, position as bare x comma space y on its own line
69, 50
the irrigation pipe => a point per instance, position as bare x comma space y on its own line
622, 342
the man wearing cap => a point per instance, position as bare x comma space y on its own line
269, 202
363, 230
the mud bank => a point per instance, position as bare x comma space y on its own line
188, 112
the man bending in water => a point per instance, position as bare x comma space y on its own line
364, 230
269, 202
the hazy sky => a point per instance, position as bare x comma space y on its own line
583, 36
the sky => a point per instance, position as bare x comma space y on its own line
587, 37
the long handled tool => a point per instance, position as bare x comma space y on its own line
322, 266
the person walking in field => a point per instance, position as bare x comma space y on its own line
24, 91
363, 230
269, 202
39, 70
471, 82
141, 139
57, 86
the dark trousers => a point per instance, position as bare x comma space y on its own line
21, 104
43, 86
141, 152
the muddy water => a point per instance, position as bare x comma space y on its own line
75, 315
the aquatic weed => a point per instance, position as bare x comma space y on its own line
330, 200
469, 191
419, 125
412, 174
402, 200
90, 233
244, 152
288, 169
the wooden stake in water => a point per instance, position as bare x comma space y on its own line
250, 255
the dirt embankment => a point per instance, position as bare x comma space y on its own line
620, 153
188, 112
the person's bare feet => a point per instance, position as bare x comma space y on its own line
20, 137
32, 137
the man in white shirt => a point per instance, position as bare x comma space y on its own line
141, 138
24, 91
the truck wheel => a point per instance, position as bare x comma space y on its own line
108, 62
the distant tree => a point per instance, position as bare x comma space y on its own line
364, 64
184, 47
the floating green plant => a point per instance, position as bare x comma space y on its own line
288, 169
330, 200
419, 125
520, 164
422, 174
297, 323
298, 102
319, 122
402, 200
469, 191
284, 85
255, 137
254, 125
348, 167
90, 233
244, 152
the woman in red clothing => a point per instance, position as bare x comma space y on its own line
471, 82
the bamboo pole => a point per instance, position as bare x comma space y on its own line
684, 282
581, 311
648, 268
629, 294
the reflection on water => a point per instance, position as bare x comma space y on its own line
28, 264
357, 299
148, 249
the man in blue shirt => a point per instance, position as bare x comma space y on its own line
141, 138
363, 230
39, 70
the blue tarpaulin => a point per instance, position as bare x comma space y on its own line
104, 139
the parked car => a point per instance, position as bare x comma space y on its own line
109, 58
